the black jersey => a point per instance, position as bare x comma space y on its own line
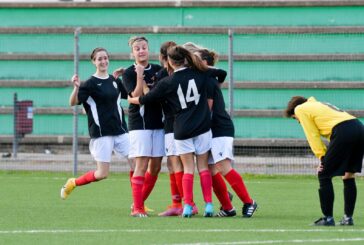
218, 74
148, 116
168, 112
101, 100
186, 91
221, 123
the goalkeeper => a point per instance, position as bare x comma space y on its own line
343, 156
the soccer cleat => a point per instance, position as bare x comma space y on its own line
346, 220
172, 211
139, 214
194, 209
68, 188
209, 210
187, 211
249, 209
231, 196
226, 213
325, 221
148, 210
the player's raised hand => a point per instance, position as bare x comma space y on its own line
139, 69
76, 81
118, 72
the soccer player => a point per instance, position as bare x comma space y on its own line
174, 163
223, 132
145, 125
187, 90
343, 156
100, 96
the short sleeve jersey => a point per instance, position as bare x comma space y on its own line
186, 91
168, 112
101, 99
221, 123
148, 116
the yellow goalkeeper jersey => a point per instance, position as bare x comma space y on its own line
318, 119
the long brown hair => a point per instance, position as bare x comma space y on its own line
181, 56
164, 56
211, 57
292, 104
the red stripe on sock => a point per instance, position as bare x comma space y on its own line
187, 182
221, 191
206, 185
236, 182
86, 178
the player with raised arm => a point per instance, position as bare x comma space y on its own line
100, 95
223, 131
145, 125
188, 90
174, 163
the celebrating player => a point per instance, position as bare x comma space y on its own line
222, 129
187, 92
100, 96
145, 125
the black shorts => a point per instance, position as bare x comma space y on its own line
345, 150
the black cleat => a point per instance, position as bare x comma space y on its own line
325, 221
347, 220
226, 213
249, 209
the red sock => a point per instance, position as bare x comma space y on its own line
86, 178
221, 191
178, 176
137, 183
206, 185
131, 173
237, 183
187, 182
148, 186
176, 198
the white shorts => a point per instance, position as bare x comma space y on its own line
170, 145
101, 148
146, 143
221, 149
198, 145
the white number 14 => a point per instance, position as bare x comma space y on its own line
191, 95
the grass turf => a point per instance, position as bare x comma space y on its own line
31, 212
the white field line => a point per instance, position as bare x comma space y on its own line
305, 241
178, 231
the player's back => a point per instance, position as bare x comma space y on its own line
190, 98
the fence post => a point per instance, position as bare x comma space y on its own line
231, 75
76, 60
15, 137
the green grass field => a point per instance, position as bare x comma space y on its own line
31, 212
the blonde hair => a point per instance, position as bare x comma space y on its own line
192, 47
134, 39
